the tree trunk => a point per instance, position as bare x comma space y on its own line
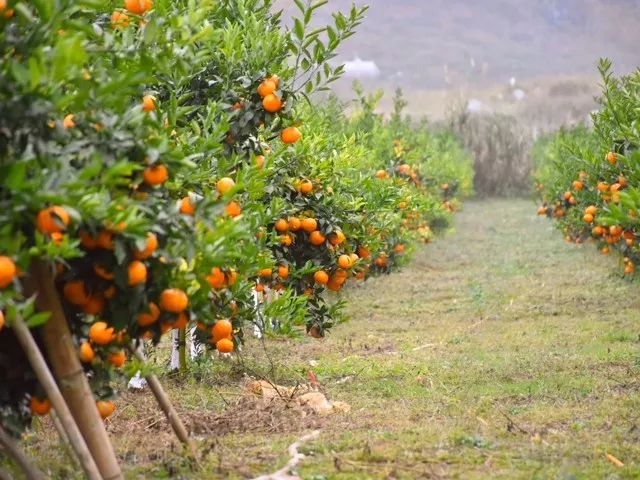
73, 383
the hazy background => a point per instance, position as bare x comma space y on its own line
443, 52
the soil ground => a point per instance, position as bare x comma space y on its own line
500, 352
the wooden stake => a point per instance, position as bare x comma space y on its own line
182, 349
165, 404
9, 446
23, 334
73, 383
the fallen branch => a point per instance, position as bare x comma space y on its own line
285, 472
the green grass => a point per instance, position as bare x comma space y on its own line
501, 352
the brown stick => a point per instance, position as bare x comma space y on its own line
73, 383
8, 445
164, 402
23, 334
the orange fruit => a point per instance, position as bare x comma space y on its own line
136, 273
233, 209
101, 334
224, 185
216, 278
354, 258
602, 187
117, 359
181, 322
68, 122
567, 195
286, 240
294, 224
267, 87
94, 305
333, 285
591, 210
87, 241
305, 187
138, 6
399, 248
281, 225
1, 320
75, 292
283, 271
232, 277
150, 247
186, 207
40, 407
577, 185
271, 103
149, 318
173, 300
259, 287
105, 408
275, 79
52, 219
221, 329
8, 271
344, 261
363, 252
148, 103
266, 272
290, 135
622, 181
119, 19
612, 158
309, 224
224, 345
86, 353
155, 175
336, 238
381, 174
105, 239
103, 272
588, 218
259, 161
321, 277
316, 238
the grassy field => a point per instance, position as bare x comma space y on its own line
501, 352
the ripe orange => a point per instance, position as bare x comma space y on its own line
105, 408
94, 305
68, 122
259, 287
381, 174
567, 195
173, 300
344, 261
283, 271
333, 285
86, 353
309, 224
305, 187
75, 292
155, 175
290, 135
224, 185
622, 181
138, 6
267, 87
316, 238
148, 103
119, 19
40, 407
8, 271
259, 161
274, 78
399, 248
602, 187
186, 207
117, 359
52, 219
149, 318
336, 238
612, 158
150, 247
232, 277
286, 240
233, 209
281, 225
363, 252
577, 185
381, 261
105, 239
591, 209
216, 278
271, 103
588, 218
224, 345
182, 321
294, 224
87, 241
101, 334
321, 277
266, 272
221, 329
136, 273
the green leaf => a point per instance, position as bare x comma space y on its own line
38, 319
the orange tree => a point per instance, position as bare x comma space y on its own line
587, 178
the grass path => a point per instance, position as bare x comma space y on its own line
501, 352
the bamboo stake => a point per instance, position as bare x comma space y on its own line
8, 445
23, 334
73, 383
182, 349
165, 404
